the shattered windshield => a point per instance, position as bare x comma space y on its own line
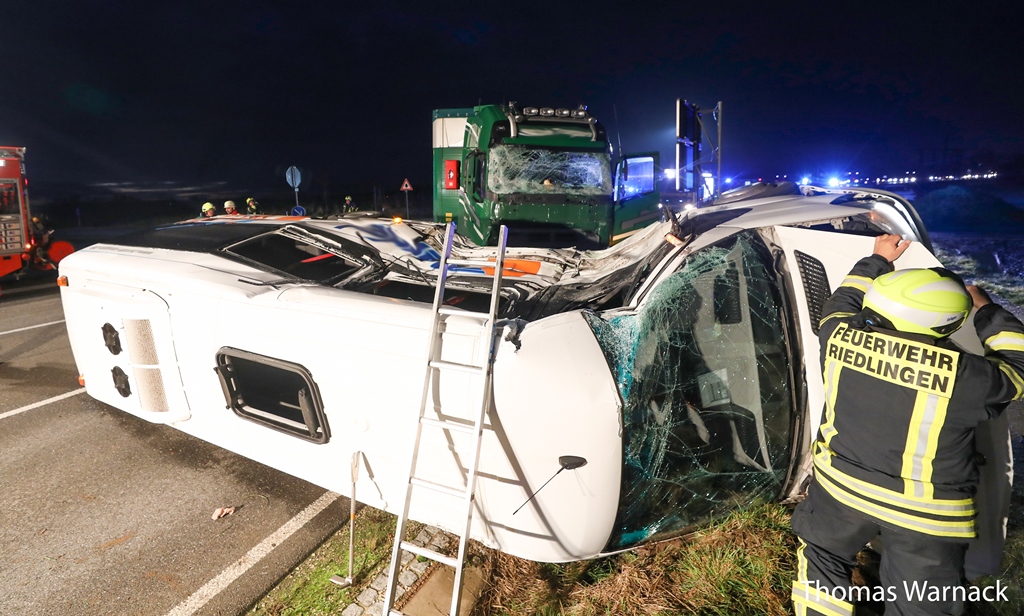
703, 372
518, 169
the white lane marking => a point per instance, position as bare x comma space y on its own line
36, 405
209, 590
21, 329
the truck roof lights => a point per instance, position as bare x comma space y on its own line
551, 112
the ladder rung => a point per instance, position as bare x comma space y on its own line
450, 365
423, 483
448, 425
431, 554
448, 310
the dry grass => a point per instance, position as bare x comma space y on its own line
741, 566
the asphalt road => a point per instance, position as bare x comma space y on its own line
104, 513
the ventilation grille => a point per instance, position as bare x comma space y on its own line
150, 383
816, 288
141, 346
149, 380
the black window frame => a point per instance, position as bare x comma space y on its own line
238, 372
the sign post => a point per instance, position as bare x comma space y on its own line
406, 187
294, 179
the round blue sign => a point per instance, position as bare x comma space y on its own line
298, 210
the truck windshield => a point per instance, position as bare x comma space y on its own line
517, 169
704, 375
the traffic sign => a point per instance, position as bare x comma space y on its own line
406, 185
298, 210
293, 176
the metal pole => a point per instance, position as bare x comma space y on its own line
718, 181
352, 517
406, 203
296, 196
345, 582
678, 136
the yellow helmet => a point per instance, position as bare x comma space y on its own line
932, 301
207, 206
250, 201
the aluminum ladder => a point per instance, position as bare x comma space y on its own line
435, 364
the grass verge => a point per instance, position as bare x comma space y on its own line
741, 566
307, 590
1007, 287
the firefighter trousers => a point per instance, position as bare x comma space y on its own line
915, 569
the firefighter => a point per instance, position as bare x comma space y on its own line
229, 208
251, 206
209, 211
40, 243
894, 455
348, 206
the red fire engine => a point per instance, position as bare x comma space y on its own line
24, 242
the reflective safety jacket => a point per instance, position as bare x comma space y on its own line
896, 442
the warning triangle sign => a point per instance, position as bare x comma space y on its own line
406, 185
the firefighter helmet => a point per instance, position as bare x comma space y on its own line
229, 205
932, 301
207, 206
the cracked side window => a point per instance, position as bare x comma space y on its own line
703, 372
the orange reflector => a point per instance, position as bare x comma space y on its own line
396, 219
81, 380
62, 281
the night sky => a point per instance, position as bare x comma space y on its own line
148, 96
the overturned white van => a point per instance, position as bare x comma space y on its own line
680, 364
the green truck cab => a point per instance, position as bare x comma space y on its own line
546, 173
